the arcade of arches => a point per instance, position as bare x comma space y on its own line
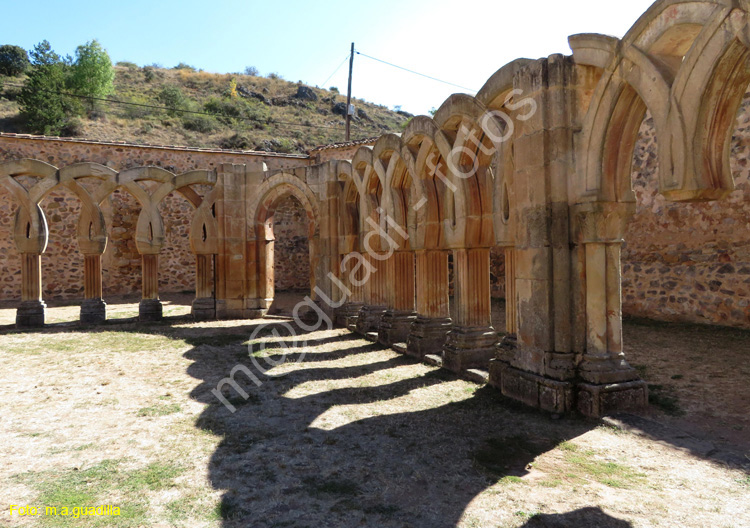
532, 176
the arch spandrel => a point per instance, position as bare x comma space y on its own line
495, 91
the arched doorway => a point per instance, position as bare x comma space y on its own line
286, 204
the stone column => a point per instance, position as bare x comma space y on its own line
511, 309
150, 308
32, 309
93, 308
609, 382
374, 306
428, 331
397, 320
471, 341
204, 305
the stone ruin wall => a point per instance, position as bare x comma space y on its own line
62, 263
291, 248
689, 262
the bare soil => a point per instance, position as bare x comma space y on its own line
347, 433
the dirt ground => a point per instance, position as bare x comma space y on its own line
346, 433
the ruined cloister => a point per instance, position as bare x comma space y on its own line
536, 167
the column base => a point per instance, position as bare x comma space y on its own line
347, 314
599, 400
427, 336
467, 348
606, 371
369, 318
93, 311
395, 326
204, 309
567, 396
150, 310
30, 314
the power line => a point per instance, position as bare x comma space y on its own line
323, 84
417, 73
168, 108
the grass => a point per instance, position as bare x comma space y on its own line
159, 409
338, 487
586, 464
662, 396
104, 483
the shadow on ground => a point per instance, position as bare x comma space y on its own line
279, 463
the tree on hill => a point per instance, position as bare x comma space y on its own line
41, 100
13, 60
92, 74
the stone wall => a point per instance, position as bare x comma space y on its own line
689, 262
291, 248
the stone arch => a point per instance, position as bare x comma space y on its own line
685, 63
260, 211
475, 135
424, 147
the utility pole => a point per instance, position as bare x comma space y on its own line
349, 93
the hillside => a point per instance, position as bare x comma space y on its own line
249, 112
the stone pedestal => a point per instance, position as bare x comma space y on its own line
395, 326
532, 389
204, 309
93, 311
469, 348
368, 319
427, 335
30, 314
150, 310
600, 400
347, 314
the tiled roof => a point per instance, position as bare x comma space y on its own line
345, 144
139, 145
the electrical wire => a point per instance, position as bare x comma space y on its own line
323, 84
415, 72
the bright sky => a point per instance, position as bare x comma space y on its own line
461, 41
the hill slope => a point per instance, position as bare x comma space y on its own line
247, 112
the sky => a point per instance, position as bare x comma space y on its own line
459, 41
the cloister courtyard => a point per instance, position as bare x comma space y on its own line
353, 433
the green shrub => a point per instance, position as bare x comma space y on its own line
73, 127
235, 142
252, 71
199, 123
184, 66
172, 97
43, 106
13, 60
128, 64
92, 74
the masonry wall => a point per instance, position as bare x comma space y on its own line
291, 248
62, 263
689, 262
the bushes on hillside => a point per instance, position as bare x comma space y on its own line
172, 97
13, 60
48, 99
